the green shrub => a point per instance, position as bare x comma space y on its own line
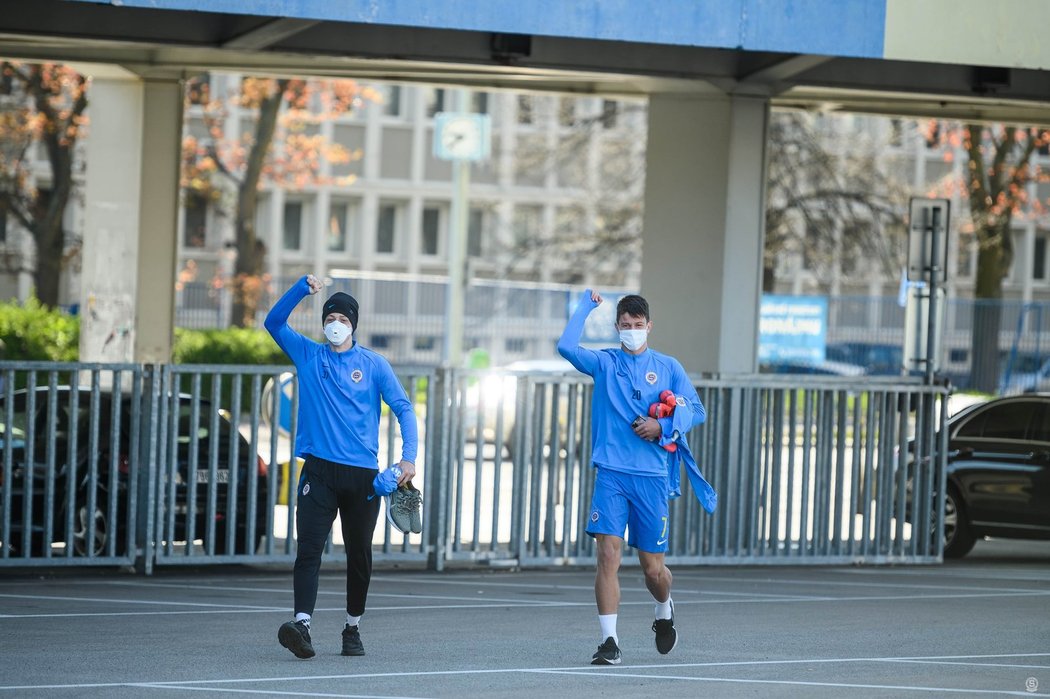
229, 346
34, 332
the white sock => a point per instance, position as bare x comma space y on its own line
608, 622
352, 620
663, 609
302, 616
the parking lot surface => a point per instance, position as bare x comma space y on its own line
975, 627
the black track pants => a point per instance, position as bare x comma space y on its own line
326, 487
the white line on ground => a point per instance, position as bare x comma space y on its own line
585, 670
270, 692
796, 683
489, 603
134, 601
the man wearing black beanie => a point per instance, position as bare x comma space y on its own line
341, 390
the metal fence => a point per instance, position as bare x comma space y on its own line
172, 465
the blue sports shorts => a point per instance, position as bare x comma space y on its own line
632, 502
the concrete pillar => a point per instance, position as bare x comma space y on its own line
704, 228
158, 220
130, 218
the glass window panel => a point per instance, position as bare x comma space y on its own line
431, 227
293, 225
337, 226
385, 228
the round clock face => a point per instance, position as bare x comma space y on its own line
461, 138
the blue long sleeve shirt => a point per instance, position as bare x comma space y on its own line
625, 385
340, 393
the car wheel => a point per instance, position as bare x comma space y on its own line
958, 540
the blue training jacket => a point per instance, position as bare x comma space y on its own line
625, 385
340, 393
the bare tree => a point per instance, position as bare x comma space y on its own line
824, 194
602, 226
281, 146
995, 183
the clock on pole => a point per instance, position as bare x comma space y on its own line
460, 136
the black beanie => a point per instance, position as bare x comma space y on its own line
341, 303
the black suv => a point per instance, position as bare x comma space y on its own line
998, 472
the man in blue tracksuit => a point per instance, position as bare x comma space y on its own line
630, 453
341, 385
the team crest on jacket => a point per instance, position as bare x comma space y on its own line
650, 377
356, 375
680, 400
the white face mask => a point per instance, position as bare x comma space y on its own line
336, 332
634, 339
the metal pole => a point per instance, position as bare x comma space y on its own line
933, 269
452, 349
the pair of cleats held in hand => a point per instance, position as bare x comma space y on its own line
665, 408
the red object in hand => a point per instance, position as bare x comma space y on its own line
659, 410
665, 408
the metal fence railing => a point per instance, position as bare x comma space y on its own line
170, 465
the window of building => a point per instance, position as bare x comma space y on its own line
896, 133
392, 101
933, 135
292, 228
610, 110
1039, 258
386, 229
381, 342
337, 231
526, 224
479, 102
195, 220
3, 227
435, 101
424, 343
431, 230
475, 231
526, 109
567, 111
515, 345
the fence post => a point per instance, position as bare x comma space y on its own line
145, 517
439, 407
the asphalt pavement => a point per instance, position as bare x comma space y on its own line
976, 627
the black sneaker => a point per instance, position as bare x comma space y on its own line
666, 636
608, 653
352, 641
295, 636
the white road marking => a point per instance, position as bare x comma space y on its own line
576, 669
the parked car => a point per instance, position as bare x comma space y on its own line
998, 472
500, 387
875, 359
28, 472
1024, 373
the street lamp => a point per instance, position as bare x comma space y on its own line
462, 138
